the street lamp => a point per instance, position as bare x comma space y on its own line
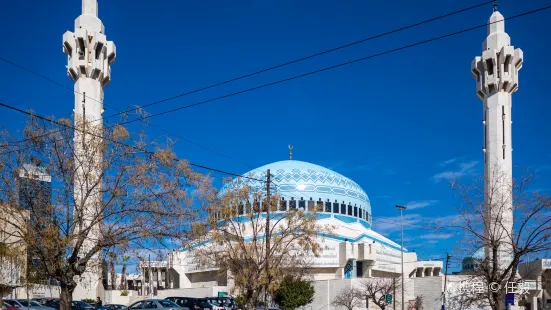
402, 208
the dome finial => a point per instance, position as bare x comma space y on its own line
290, 152
495, 5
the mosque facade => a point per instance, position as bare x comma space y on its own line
351, 252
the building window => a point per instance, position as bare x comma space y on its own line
343, 208
336, 207
248, 207
292, 204
256, 206
359, 270
328, 206
302, 204
490, 65
320, 206
240, 209
283, 205
356, 212
349, 209
311, 205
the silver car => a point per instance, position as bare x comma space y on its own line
158, 304
23, 304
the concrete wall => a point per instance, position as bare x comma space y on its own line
36, 291
192, 292
114, 297
207, 279
430, 288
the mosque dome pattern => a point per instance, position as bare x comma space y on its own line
303, 181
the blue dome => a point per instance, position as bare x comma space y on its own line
300, 180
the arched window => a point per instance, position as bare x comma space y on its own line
283, 204
302, 204
311, 205
292, 204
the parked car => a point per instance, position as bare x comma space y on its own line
23, 304
114, 307
188, 302
9, 306
33, 304
210, 304
156, 304
75, 305
227, 302
45, 300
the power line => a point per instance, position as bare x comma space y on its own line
250, 74
317, 54
120, 143
335, 66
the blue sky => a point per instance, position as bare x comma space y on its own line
398, 124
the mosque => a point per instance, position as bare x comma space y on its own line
353, 250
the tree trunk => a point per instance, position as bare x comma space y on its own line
66, 297
123, 277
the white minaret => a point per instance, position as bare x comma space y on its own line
496, 74
90, 56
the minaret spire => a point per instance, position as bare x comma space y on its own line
496, 74
89, 60
90, 7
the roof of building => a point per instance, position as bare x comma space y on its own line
294, 178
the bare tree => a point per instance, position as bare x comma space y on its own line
12, 253
112, 272
483, 216
376, 289
124, 284
236, 237
348, 298
419, 302
104, 194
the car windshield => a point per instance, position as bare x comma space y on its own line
168, 304
81, 304
25, 304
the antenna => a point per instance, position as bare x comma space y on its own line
495, 5
291, 152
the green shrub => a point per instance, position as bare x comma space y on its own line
294, 293
124, 293
89, 300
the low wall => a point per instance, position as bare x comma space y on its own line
197, 292
114, 297
36, 291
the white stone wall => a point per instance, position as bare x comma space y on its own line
430, 288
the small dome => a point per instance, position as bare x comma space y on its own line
299, 179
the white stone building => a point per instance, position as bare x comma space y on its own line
353, 250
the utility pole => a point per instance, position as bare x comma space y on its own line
445, 280
394, 293
402, 208
150, 276
268, 205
